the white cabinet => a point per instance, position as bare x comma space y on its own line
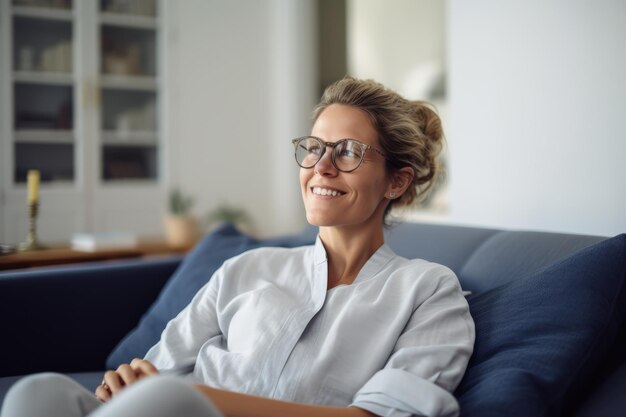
80, 83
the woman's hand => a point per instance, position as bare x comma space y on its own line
124, 375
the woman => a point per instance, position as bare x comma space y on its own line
341, 328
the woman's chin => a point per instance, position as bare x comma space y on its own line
320, 221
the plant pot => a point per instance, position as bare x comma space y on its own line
181, 231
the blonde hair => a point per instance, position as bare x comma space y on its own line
409, 132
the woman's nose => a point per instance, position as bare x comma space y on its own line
325, 165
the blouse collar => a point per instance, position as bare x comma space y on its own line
373, 266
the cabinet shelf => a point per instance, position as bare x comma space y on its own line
129, 161
136, 138
129, 21
44, 136
53, 160
127, 82
44, 77
47, 13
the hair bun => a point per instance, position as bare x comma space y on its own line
429, 121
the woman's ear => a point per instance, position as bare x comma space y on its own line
401, 179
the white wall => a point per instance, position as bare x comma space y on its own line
536, 97
242, 84
400, 43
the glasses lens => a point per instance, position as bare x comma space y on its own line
348, 155
308, 152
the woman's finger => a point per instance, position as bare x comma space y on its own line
103, 392
127, 374
114, 381
143, 367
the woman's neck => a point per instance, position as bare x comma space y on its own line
348, 251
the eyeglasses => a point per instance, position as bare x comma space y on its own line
347, 154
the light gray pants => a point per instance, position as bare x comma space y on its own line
55, 395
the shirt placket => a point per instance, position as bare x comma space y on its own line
296, 326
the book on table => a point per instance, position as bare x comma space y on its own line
90, 242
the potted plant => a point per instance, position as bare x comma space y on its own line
181, 227
225, 213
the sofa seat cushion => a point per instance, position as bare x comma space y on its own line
195, 271
539, 340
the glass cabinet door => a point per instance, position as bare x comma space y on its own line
43, 87
80, 92
129, 125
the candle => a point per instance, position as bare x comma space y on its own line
33, 186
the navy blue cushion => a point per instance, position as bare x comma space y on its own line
195, 271
609, 399
539, 340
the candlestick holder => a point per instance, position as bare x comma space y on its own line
31, 242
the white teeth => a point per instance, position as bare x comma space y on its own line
325, 191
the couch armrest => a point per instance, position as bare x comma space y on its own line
69, 319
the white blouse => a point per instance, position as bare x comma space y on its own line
395, 342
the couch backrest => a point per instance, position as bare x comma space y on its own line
484, 258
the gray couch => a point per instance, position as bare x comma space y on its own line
549, 311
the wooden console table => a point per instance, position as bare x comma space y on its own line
60, 255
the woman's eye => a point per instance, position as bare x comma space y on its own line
348, 153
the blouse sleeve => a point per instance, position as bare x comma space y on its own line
428, 360
184, 335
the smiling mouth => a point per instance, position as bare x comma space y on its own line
326, 192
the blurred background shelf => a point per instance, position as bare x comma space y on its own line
44, 77
132, 83
43, 12
129, 20
44, 136
134, 138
